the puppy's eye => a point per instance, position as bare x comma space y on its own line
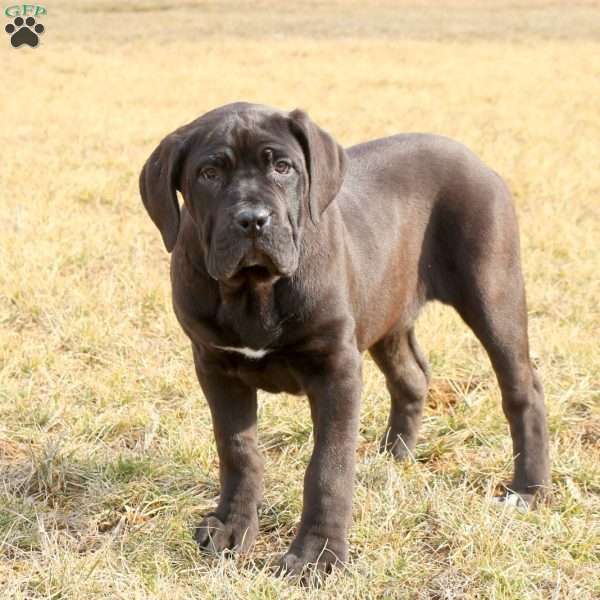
209, 172
282, 166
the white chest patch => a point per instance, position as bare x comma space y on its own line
247, 352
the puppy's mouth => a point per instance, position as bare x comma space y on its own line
252, 261
258, 267
256, 272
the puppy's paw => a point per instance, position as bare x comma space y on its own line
237, 532
519, 502
311, 557
395, 445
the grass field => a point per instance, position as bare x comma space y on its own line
106, 454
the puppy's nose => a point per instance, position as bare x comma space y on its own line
252, 221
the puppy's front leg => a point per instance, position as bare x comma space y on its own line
234, 523
334, 395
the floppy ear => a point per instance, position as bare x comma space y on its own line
159, 182
325, 162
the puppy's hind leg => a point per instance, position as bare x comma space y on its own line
407, 377
490, 297
501, 326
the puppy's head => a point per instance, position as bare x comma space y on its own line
250, 177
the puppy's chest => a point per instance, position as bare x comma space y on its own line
273, 371
246, 352
254, 339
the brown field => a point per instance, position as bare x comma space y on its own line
106, 454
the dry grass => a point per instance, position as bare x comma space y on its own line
106, 454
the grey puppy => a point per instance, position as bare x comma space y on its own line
291, 256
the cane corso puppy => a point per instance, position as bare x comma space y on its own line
291, 256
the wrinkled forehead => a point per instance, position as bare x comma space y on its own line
244, 131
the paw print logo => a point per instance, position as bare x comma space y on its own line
24, 32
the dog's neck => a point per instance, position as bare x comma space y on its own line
251, 311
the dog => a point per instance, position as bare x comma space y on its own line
291, 256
